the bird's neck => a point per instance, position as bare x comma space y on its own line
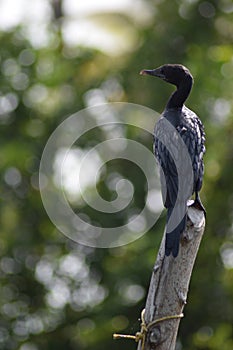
178, 98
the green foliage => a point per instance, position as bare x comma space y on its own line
56, 294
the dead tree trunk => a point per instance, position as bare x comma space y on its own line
169, 288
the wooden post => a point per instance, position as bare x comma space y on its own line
168, 289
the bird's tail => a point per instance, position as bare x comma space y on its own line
173, 238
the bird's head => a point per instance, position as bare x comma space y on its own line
172, 73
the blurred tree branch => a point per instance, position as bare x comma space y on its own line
169, 287
57, 9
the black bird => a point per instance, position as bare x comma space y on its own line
187, 125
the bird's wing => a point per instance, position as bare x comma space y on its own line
168, 171
170, 154
193, 135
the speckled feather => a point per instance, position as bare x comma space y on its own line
191, 130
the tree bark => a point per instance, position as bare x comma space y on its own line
169, 288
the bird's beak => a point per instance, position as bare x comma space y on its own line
146, 72
155, 72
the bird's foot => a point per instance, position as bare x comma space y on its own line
198, 205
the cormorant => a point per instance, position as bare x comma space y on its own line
186, 124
